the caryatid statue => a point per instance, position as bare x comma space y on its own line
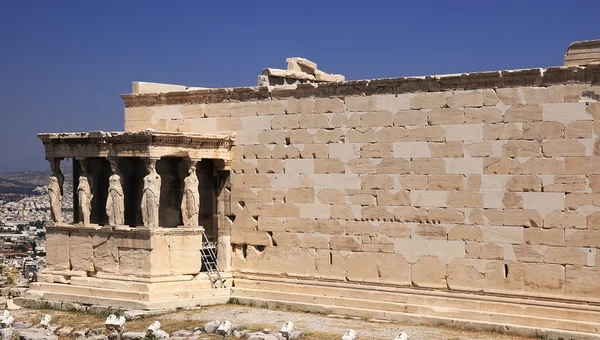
190, 203
55, 191
84, 193
151, 195
115, 202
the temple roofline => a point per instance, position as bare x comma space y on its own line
135, 137
538, 77
147, 143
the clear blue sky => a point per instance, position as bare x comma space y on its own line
63, 64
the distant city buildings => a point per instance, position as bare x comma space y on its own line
22, 231
33, 208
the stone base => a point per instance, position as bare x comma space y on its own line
128, 292
125, 268
125, 251
507, 314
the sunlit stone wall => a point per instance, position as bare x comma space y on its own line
480, 182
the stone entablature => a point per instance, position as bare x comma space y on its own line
148, 143
583, 53
122, 150
538, 77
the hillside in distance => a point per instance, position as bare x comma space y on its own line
8, 186
25, 182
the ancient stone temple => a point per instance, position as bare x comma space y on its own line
138, 221
461, 199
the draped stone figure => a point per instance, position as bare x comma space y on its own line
55, 199
55, 192
190, 203
115, 202
151, 195
84, 192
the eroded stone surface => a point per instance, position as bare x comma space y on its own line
491, 190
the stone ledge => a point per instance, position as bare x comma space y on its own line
420, 319
405, 304
92, 309
520, 299
538, 77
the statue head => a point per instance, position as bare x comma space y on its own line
55, 165
150, 165
192, 169
114, 165
83, 164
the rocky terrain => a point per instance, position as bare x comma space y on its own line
203, 323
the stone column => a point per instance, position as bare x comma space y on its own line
115, 201
151, 195
84, 193
55, 190
190, 202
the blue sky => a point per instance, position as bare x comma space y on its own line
63, 64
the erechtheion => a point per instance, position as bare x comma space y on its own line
469, 197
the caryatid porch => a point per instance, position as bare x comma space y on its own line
141, 203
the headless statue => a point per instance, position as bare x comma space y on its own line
190, 203
115, 202
151, 196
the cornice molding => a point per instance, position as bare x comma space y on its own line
148, 143
537, 77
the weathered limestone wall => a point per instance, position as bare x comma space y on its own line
494, 189
90, 251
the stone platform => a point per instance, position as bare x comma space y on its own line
517, 315
124, 293
128, 268
142, 252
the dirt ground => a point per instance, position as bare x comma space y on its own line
316, 327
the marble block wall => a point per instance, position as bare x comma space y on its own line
87, 251
493, 189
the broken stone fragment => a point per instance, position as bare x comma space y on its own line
133, 335
64, 331
36, 334
322, 76
6, 334
301, 65
182, 333
212, 326
274, 72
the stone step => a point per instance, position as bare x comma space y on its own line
128, 294
503, 305
142, 305
533, 331
434, 310
524, 312
90, 291
199, 283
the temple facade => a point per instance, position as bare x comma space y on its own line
145, 205
456, 199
